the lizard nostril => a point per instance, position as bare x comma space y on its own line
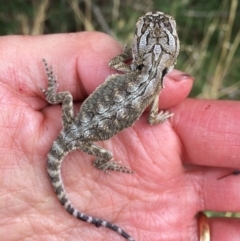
140, 67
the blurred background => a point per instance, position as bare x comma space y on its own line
209, 32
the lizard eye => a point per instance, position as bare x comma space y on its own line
140, 67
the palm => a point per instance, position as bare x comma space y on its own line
158, 202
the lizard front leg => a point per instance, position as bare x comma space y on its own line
118, 62
156, 117
104, 160
62, 97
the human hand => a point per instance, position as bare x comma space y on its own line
159, 201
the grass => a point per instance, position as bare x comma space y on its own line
208, 30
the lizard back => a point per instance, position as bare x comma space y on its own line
122, 98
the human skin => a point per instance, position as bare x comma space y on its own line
177, 163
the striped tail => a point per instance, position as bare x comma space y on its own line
54, 161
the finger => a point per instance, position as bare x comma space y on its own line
79, 60
225, 229
177, 87
212, 193
216, 195
209, 131
25, 72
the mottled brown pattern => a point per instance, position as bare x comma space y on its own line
115, 105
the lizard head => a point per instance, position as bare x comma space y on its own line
155, 36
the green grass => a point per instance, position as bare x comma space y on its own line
208, 30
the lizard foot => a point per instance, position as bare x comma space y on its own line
159, 118
105, 166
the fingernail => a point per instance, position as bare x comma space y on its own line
183, 76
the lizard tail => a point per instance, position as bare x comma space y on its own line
54, 161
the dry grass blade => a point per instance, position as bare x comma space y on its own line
38, 24
80, 16
88, 12
196, 59
23, 21
221, 70
231, 53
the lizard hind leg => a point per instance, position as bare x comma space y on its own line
53, 168
104, 160
105, 165
61, 97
